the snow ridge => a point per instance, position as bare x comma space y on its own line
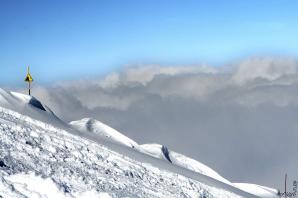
90, 125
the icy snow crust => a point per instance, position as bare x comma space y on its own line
40, 150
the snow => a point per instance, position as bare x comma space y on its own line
93, 194
41, 156
191, 164
29, 106
153, 150
258, 190
22, 97
89, 125
85, 166
33, 186
156, 150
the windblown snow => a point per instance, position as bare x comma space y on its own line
41, 156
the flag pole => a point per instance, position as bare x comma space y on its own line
286, 185
29, 79
29, 88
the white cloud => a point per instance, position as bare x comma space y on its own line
200, 111
265, 68
110, 81
145, 74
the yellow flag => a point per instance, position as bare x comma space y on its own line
28, 77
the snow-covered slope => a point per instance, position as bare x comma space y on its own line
77, 165
89, 125
255, 189
30, 106
37, 149
163, 152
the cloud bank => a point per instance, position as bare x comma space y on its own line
240, 119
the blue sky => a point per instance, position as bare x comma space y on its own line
64, 40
